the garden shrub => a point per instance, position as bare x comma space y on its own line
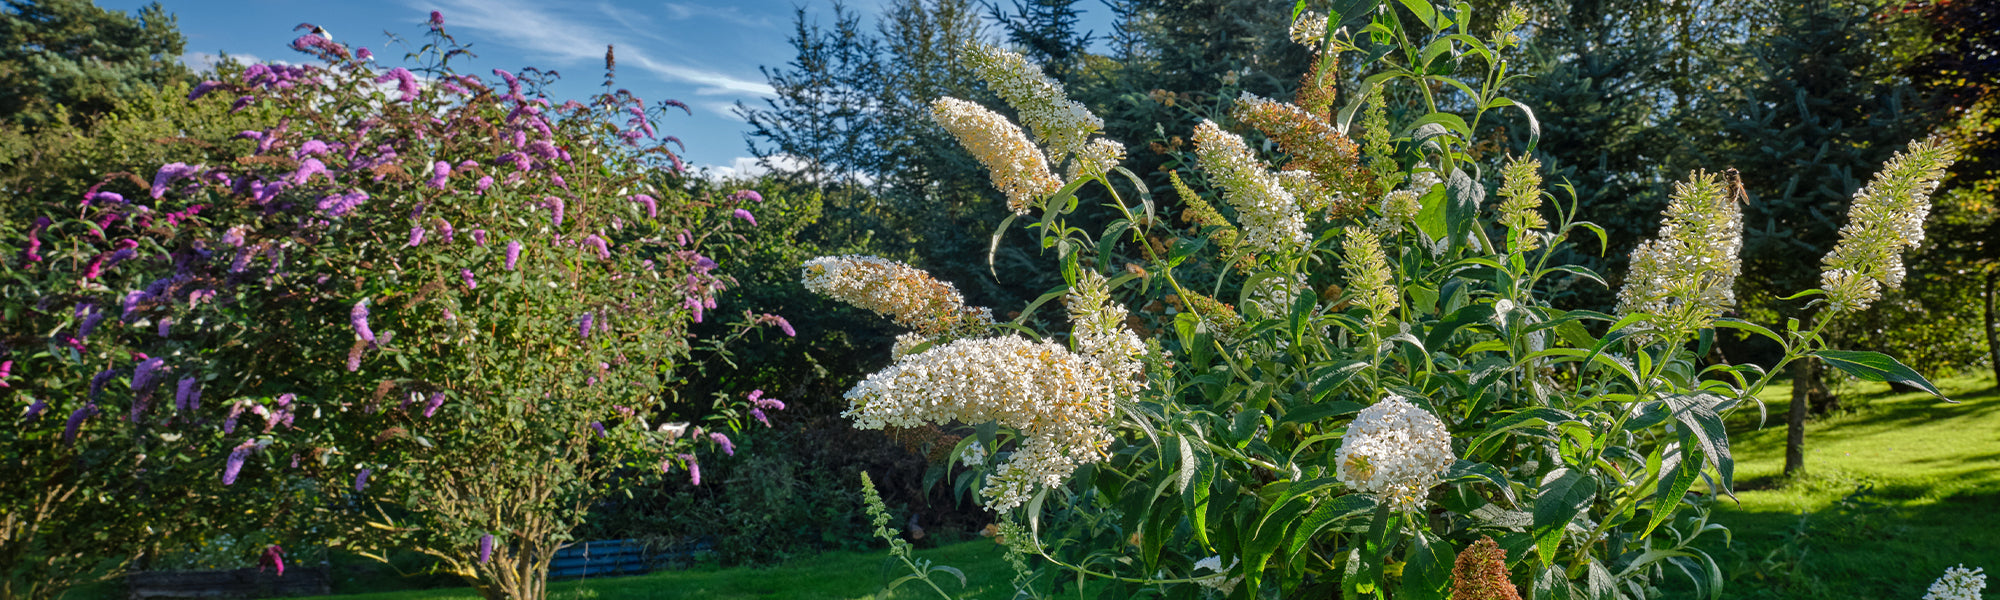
414, 308
1378, 382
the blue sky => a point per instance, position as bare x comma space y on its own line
702, 52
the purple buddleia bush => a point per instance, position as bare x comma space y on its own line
308, 270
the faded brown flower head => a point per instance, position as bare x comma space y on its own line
1481, 573
1314, 146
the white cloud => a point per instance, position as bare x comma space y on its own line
567, 40
682, 11
747, 167
725, 110
203, 61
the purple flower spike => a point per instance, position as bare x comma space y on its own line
694, 468
235, 411
437, 22
440, 173
188, 397
583, 325
555, 211
170, 173
35, 410
597, 244
599, 427
761, 418
727, 447
786, 326
747, 196
76, 422
485, 545
274, 556
437, 400
652, 205
97, 383
416, 236
90, 322
359, 318
142, 375
479, 236
202, 89
470, 283
484, 183
361, 479
364, 54
405, 82
307, 169
745, 215
445, 231
235, 465
513, 253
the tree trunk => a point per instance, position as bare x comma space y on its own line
1795, 421
1992, 336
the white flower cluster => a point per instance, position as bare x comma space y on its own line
1309, 29
905, 294
1220, 581
1887, 217
1018, 167
1395, 450
1400, 207
1057, 398
1270, 216
1098, 326
1687, 275
1958, 583
1062, 125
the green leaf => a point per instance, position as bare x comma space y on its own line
1466, 470
1313, 413
1551, 584
1466, 195
1426, 568
1197, 472
1565, 494
1328, 513
1697, 413
1332, 377
1678, 475
994, 247
1876, 366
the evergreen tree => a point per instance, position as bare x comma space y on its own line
69, 56
823, 116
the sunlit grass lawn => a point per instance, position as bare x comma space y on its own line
829, 576
1934, 469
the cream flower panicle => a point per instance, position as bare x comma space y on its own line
1062, 125
1958, 583
1368, 275
1520, 211
1887, 218
1018, 167
1687, 276
1270, 216
905, 294
1395, 450
1058, 399
1098, 328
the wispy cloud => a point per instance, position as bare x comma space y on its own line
679, 11
203, 61
725, 110
568, 40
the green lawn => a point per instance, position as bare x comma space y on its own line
1932, 471
830, 576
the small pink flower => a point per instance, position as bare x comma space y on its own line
745, 215
470, 283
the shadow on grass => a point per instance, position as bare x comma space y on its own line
1872, 546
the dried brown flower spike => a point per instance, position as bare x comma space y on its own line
1481, 573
